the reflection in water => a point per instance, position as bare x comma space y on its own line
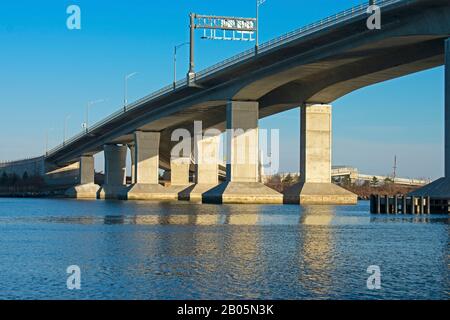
144, 250
316, 259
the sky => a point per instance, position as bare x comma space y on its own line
49, 73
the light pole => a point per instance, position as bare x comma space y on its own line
46, 139
175, 62
125, 99
88, 106
65, 127
258, 3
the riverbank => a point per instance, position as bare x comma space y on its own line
363, 191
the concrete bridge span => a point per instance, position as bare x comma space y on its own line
310, 68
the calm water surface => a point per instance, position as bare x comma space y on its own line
145, 250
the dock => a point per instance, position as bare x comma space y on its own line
408, 205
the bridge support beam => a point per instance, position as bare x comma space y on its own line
440, 189
86, 188
315, 185
206, 157
242, 185
146, 169
115, 172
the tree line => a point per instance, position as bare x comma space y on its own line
25, 182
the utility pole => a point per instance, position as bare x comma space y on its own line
394, 174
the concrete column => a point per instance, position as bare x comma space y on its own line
87, 173
207, 161
115, 172
115, 165
242, 185
179, 171
447, 108
242, 141
315, 185
147, 157
315, 145
86, 188
206, 164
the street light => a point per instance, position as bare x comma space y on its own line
258, 3
125, 99
175, 62
46, 139
88, 106
65, 127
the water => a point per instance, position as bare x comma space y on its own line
144, 250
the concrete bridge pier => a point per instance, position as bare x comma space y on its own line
115, 172
179, 172
179, 177
315, 185
206, 177
440, 189
86, 188
242, 185
146, 169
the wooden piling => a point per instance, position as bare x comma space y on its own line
421, 205
404, 198
413, 205
428, 205
395, 204
378, 204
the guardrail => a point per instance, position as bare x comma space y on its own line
245, 55
11, 162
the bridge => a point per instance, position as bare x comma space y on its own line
354, 175
307, 68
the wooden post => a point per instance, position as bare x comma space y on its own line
387, 204
421, 205
378, 204
428, 205
404, 202
413, 205
395, 204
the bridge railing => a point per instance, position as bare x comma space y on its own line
245, 55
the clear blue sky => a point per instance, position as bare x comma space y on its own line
49, 72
